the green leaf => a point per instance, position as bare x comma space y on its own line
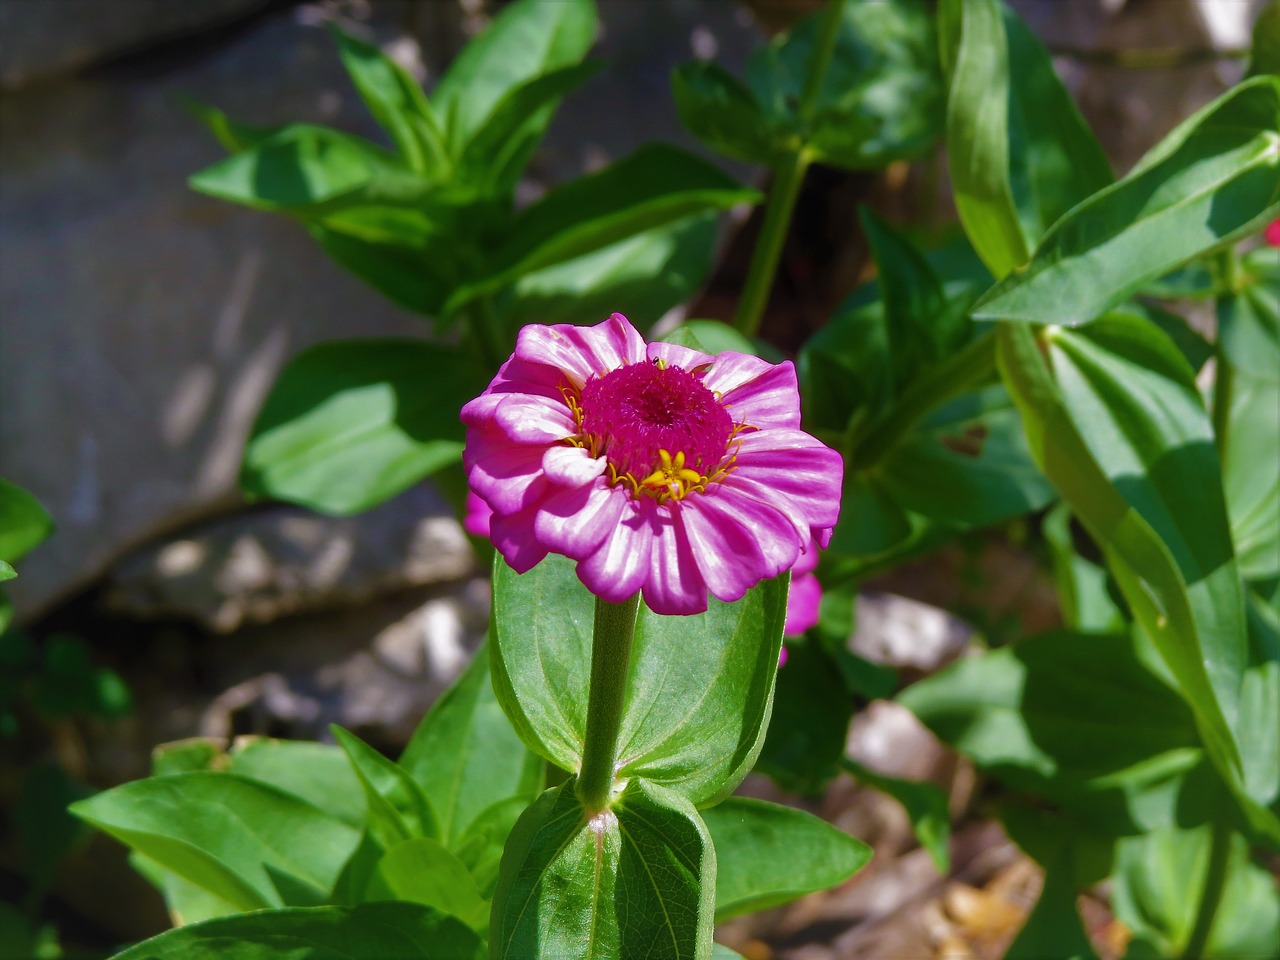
1200, 637
1158, 884
1076, 718
466, 757
810, 723
527, 39
1249, 327
406, 274
926, 806
638, 880
1055, 161
652, 187
398, 808
422, 871
480, 846
371, 931
881, 97
318, 773
693, 723
1251, 482
248, 843
641, 277
922, 326
1214, 179
497, 153
847, 365
6, 571
1081, 584
978, 130
768, 854
351, 423
234, 136
396, 102
311, 170
723, 113
968, 464
23, 523
1264, 56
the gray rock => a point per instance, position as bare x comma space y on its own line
259, 566
43, 38
899, 632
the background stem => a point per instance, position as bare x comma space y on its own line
788, 175
610, 658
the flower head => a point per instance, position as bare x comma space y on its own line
658, 468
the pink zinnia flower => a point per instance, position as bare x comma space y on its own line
658, 468
1272, 233
478, 514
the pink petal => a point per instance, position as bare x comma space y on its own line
571, 466
1272, 233
478, 514
620, 565
530, 419
678, 356
803, 603
513, 537
794, 466
755, 392
674, 586
581, 352
575, 521
737, 541
806, 563
499, 469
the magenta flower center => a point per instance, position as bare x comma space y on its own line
662, 432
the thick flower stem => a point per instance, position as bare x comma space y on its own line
610, 659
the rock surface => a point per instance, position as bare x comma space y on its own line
44, 38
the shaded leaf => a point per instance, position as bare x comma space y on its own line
350, 424
24, 523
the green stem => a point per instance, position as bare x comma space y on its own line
1215, 881
610, 659
788, 175
1224, 372
963, 370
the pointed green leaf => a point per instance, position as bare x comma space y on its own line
244, 841
397, 102
1249, 325
318, 773
422, 871
24, 523
234, 136
496, 154
635, 881
1055, 161
6, 571
372, 931
694, 723
350, 424
398, 809
311, 170
768, 854
1214, 179
466, 757
1251, 482
401, 272
527, 39
723, 113
654, 186
1054, 928
978, 131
